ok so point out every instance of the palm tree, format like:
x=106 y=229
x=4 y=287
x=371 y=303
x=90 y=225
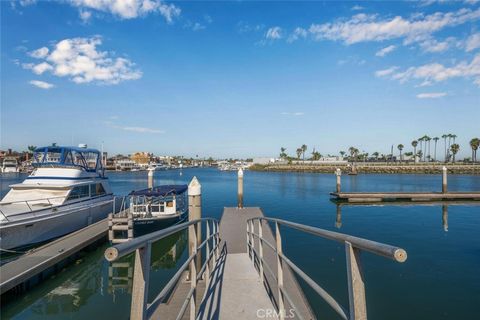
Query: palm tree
x=376 y=154
x=400 y=147
x=353 y=152
x=342 y=153
x=449 y=136
x=453 y=137
x=30 y=150
x=445 y=136
x=414 y=145
x=474 y=144
x=435 y=139
x=422 y=144
x=283 y=155
x=427 y=139
x=299 y=153
x=454 y=148
x=304 y=148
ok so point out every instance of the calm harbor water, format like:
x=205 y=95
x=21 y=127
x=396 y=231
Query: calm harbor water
x=440 y=279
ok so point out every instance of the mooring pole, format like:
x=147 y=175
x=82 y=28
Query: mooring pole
x=338 y=173
x=240 y=188
x=194 y=213
x=150 y=178
x=444 y=179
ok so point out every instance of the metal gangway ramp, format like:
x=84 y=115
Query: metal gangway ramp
x=244 y=274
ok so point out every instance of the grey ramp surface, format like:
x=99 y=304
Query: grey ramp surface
x=233 y=233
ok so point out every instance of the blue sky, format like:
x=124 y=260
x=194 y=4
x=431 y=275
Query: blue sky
x=239 y=78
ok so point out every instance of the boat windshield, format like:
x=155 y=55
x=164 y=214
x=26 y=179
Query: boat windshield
x=88 y=159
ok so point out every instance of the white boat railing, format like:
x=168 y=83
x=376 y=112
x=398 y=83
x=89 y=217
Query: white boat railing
x=30 y=204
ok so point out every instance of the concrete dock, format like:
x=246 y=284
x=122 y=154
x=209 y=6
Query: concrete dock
x=34 y=265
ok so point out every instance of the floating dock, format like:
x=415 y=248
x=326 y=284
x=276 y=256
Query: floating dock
x=33 y=266
x=373 y=197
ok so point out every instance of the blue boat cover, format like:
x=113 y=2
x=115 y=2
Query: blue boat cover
x=161 y=191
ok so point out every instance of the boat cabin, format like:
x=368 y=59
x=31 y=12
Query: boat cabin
x=76 y=157
x=158 y=201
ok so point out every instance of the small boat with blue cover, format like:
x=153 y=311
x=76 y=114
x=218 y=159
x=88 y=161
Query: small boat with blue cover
x=158 y=207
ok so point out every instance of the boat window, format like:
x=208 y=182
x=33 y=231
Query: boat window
x=170 y=204
x=91 y=158
x=68 y=158
x=97 y=189
x=79 y=192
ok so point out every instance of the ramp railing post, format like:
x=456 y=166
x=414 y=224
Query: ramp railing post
x=356 y=284
x=140 y=282
x=216 y=240
x=194 y=213
x=193 y=270
x=260 y=248
x=207 y=256
x=281 y=302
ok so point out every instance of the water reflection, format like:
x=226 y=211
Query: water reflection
x=165 y=254
x=444 y=205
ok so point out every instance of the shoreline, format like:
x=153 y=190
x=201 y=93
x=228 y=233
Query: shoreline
x=363 y=168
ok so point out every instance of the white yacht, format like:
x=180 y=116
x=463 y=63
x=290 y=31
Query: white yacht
x=9 y=165
x=66 y=191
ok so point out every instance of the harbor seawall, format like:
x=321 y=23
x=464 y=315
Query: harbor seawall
x=372 y=168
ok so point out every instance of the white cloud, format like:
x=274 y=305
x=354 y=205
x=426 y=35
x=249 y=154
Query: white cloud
x=296 y=114
x=297 y=34
x=41 y=68
x=79 y=60
x=244 y=27
x=431 y=95
x=385 y=51
x=129 y=9
x=363 y=27
x=473 y=42
x=39 y=53
x=386 y=72
x=42 y=84
x=274 y=33
x=25 y=3
x=85 y=15
x=111 y=124
x=357 y=8
x=436 y=72
x=432 y=45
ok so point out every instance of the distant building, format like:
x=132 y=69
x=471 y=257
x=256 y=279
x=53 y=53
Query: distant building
x=141 y=158
x=264 y=160
x=124 y=164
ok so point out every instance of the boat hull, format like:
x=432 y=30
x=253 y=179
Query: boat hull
x=50 y=226
x=148 y=225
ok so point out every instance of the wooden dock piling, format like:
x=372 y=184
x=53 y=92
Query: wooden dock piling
x=150 y=178
x=338 y=173
x=240 y=188
x=444 y=179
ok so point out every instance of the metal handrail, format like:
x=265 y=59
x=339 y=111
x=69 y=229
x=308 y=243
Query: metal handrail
x=353 y=246
x=385 y=250
x=122 y=249
x=141 y=309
